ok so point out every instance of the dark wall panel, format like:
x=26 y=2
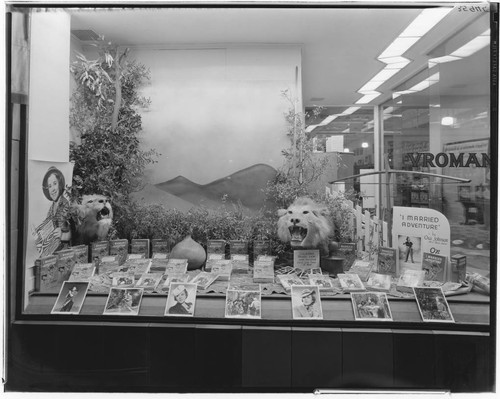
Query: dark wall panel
x=266 y=357
x=316 y=358
x=367 y=358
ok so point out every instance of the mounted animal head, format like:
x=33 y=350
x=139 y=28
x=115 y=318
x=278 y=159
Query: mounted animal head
x=305 y=224
x=92 y=218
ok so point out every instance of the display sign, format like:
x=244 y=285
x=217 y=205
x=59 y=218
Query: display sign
x=306 y=258
x=419 y=230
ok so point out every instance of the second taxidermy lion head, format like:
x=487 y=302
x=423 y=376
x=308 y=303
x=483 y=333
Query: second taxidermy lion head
x=304 y=224
x=93 y=218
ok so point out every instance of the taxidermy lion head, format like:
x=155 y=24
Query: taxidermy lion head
x=305 y=225
x=92 y=219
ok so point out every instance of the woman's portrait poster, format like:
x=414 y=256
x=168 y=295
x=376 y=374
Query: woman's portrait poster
x=48 y=208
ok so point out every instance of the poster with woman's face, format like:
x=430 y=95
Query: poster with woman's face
x=48 y=208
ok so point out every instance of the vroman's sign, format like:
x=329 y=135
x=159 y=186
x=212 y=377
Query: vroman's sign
x=452 y=160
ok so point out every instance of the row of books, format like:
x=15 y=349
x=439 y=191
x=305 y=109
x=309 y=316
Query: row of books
x=246 y=302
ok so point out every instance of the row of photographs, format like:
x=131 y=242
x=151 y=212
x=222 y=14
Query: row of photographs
x=246 y=303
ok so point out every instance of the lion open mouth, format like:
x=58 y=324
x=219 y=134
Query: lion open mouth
x=103 y=214
x=298 y=234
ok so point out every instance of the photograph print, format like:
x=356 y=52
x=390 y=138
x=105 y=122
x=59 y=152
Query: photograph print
x=123 y=301
x=181 y=299
x=306 y=302
x=433 y=305
x=410 y=250
x=70 y=298
x=371 y=306
x=243 y=304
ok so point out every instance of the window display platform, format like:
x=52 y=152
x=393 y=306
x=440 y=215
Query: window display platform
x=470 y=311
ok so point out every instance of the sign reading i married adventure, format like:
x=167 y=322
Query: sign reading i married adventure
x=419 y=230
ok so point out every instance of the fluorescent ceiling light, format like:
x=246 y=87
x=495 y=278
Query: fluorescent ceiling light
x=399 y=46
x=426 y=83
x=473 y=46
x=327 y=120
x=370 y=86
x=393 y=60
x=384 y=74
x=425 y=22
x=346 y=149
x=310 y=128
x=364 y=145
x=446 y=58
x=367 y=98
x=350 y=110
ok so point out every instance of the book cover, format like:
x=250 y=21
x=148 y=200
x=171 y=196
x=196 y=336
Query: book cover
x=46 y=275
x=346 y=250
x=263 y=271
x=81 y=253
x=410 y=278
x=323 y=282
x=172 y=278
x=434 y=267
x=82 y=272
x=267 y=258
x=66 y=260
x=216 y=247
x=98 y=249
x=158 y=265
x=122 y=279
x=136 y=266
x=458 y=268
x=71 y=297
x=387 y=261
x=306 y=302
x=379 y=282
x=181 y=300
x=204 y=279
x=123 y=301
x=160 y=246
x=241 y=264
x=212 y=259
x=108 y=264
x=432 y=305
x=243 y=304
x=261 y=247
x=238 y=247
x=176 y=266
x=350 y=282
x=148 y=281
x=288 y=280
x=160 y=255
x=223 y=269
x=371 y=306
x=136 y=256
x=140 y=246
x=119 y=248
x=362 y=268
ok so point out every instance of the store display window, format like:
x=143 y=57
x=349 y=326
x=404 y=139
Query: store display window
x=250 y=167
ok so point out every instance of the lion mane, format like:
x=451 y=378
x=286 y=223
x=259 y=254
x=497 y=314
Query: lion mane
x=91 y=219
x=305 y=225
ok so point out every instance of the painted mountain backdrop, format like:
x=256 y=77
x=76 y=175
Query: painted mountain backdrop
x=245 y=186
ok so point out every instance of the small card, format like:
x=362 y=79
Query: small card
x=70 y=298
x=378 y=282
x=243 y=304
x=123 y=301
x=289 y=280
x=181 y=300
x=433 y=305
x=176 y=266
x=82 y=272
x=371 y=306
x=204 y=279
x=148 y=281
x=263 y=271
x=223 y=269
x=306 y=302
x=121 y=279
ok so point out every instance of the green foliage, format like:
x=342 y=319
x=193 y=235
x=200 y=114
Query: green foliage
x=104 y=112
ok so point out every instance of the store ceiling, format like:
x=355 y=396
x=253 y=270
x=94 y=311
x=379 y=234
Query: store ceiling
x=339 y=45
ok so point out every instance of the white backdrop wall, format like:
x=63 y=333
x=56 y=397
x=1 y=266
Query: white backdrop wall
x=215 y=111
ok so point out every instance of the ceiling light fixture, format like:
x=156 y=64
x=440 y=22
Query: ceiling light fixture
x=448 y=121
x=468 y=49
x=392 y=56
